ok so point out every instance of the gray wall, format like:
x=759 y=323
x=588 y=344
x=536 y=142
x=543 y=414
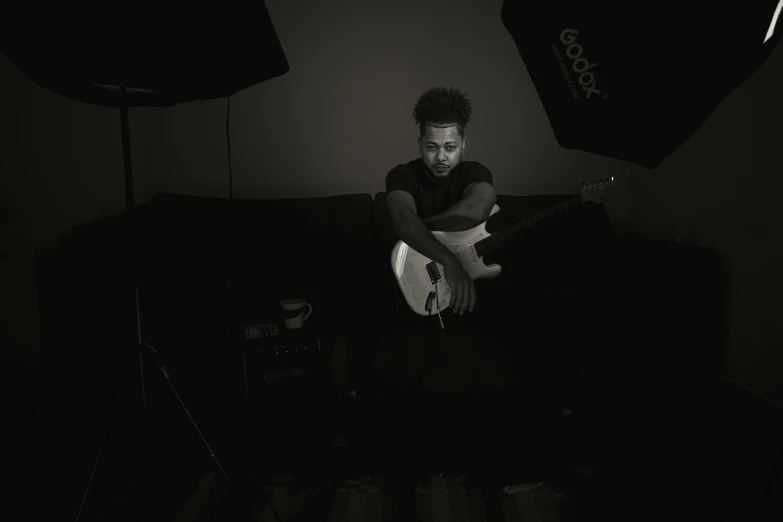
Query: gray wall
x=722 y=189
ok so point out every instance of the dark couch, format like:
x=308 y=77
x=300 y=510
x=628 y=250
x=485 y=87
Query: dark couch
x=613 y=313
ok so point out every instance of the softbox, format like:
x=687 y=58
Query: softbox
x=160 y=60
x=634 y=80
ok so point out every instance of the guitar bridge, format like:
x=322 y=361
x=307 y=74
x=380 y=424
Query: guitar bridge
x=433 y=272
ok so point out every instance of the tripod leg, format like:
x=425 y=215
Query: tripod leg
x=110 y=427
x=89 y=482
x=190 y=417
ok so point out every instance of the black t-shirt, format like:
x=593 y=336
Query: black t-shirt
x=433 y=196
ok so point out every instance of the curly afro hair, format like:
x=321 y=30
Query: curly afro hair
x=441 y=105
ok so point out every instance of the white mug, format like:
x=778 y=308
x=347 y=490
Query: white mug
x=294 y=312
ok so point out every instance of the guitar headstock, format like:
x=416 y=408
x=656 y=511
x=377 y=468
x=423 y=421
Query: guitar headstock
x=597 y=190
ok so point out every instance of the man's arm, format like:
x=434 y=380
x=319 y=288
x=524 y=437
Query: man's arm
x=411 y=229
x=473 y=209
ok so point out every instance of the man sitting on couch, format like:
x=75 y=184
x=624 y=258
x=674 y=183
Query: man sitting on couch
x=442 y=191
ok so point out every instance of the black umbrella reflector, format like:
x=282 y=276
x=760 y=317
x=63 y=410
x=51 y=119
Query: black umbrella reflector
x=160 y=60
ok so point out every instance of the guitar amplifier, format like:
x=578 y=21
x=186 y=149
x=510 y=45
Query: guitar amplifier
x=285 y=376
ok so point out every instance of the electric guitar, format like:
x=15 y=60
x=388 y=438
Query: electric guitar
x=421 y=279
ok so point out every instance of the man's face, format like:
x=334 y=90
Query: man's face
x=441 y=146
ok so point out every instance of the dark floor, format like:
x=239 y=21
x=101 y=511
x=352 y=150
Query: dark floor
x=641 y=465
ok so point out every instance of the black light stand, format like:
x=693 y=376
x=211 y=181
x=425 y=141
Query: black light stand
x=143 y=347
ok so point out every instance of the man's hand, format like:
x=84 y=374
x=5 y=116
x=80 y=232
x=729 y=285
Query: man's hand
x=463 y=291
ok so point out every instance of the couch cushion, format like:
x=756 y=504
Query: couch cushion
x=314 y=248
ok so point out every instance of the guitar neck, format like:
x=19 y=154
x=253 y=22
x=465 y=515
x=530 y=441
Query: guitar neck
x=503 y=237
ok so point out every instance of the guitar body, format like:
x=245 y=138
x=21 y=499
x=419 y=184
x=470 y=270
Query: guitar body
x=416 y=275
